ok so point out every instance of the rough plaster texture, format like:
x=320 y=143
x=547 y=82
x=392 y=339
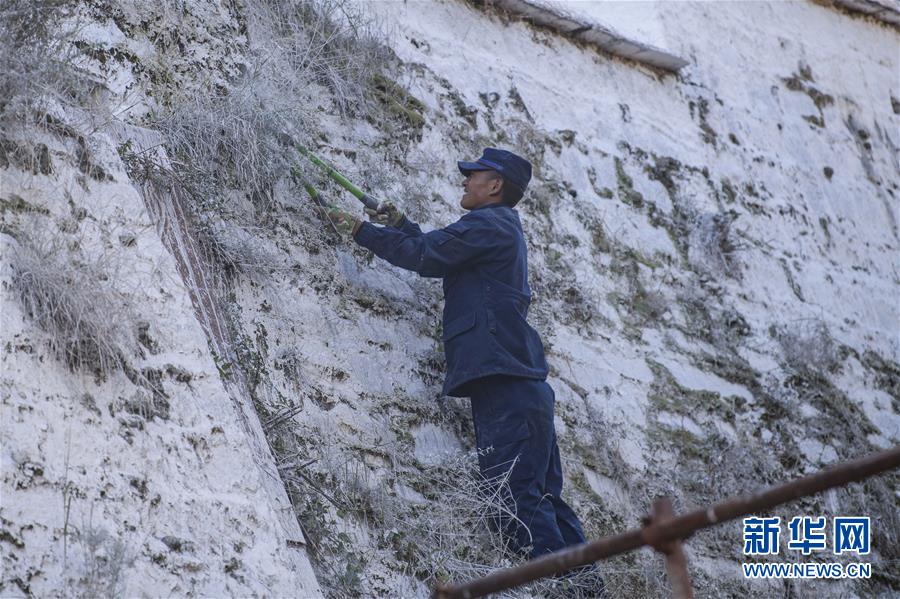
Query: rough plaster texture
x=180 y=497
x=158 y=480
x=715 y=272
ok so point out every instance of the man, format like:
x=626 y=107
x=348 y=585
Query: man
x=492 y=354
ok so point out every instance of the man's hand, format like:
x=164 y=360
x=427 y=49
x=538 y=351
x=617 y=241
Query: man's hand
x=387 y=214
x=345 y=222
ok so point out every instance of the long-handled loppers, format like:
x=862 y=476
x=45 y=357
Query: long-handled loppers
x=368 y=200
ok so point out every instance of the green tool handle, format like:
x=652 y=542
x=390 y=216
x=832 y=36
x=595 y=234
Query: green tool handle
x=312 y=191
x=340 y=179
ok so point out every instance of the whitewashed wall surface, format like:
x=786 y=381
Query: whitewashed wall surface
x=206 y=390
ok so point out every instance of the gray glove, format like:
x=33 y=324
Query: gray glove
x=387 y=214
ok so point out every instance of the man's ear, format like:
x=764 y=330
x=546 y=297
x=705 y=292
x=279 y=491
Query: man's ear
x=496 y=186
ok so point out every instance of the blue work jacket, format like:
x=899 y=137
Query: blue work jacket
x=483 y=261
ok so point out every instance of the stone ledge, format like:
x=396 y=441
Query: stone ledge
x=886 y=11
x=606 y=39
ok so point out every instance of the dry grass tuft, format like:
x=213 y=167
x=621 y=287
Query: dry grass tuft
x=39 y=61
x=241 y=247
x=89 y=324
x=106 y=560
x=330 y=42
x=712 y=250
x=222 y=142
x=808 y=346
x=456 y=535
x=231 y=139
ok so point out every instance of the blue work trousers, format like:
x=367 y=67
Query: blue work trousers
x=513 y=419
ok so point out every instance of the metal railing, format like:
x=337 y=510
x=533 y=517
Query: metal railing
x=664 y=531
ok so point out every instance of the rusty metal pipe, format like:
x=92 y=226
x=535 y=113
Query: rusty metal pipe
x=676 y=561
x=680 y=527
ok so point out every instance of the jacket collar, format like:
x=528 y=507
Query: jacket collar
x=491 y=205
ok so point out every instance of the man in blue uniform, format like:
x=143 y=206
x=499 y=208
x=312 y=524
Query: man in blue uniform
x=493 y=355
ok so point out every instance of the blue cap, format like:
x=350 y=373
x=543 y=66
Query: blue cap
x=514 y=168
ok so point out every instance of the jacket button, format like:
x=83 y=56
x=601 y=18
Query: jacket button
x=488 y=287
x=493 y=329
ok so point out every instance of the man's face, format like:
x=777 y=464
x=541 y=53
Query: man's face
x=480 y=188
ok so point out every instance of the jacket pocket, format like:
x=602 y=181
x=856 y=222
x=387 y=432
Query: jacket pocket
x=458 y=326
x=453 y=231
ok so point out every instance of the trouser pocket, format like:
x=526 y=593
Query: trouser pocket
x=503 y=449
